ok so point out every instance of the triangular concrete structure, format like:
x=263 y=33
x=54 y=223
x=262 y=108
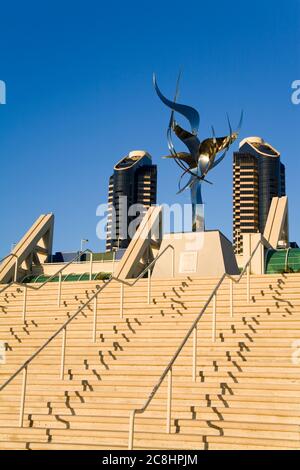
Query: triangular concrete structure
x=33 y=249
x=276 y=230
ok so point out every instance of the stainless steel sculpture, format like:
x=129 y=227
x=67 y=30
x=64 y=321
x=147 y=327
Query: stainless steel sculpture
x=201 y=157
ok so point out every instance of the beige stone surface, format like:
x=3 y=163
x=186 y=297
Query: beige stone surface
x=200 y=254
x=276 y=230
x=32 y=249
x=143 y=245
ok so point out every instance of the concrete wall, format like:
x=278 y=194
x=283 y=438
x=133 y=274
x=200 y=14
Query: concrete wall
x=197 y=253
x=250 y=241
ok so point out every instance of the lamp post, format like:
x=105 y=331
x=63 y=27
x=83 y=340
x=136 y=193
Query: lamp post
x=115 y=249
x=118 y=247
x=82 y=242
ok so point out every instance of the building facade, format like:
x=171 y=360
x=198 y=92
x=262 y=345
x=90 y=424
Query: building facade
x=133 y=182
x=258 y=176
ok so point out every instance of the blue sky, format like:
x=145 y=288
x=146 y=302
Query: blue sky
x=80 y=96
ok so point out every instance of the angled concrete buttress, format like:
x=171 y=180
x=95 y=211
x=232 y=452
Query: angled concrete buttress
x=143 y=246
x=276 y=230
x=33 y=249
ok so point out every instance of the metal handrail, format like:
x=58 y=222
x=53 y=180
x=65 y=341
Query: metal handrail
x=168 y=369
x=51 y=277
x=16 y=265
x=63 y=328
x=8 y=256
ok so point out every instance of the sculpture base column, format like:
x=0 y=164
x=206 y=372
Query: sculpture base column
x=198 y=218
x=197 y=206
x=196 y=254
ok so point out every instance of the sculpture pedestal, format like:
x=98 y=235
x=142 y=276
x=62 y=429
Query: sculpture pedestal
x=196 y=254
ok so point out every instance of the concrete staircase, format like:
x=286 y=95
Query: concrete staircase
x=247 y=392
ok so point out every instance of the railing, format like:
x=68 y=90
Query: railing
x=12 y=255
x=63 y=329
x=26 y=286
x=193 y=330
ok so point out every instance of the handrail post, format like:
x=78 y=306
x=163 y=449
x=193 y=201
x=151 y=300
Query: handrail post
x=195 y=353
x=214 y=318
x=231 y=297
x=91 y=265
x=63 y=354
x=59 y=290
x=248 y=283
x=16 y=270
x=173 y=262
x=24 y=303
x=23 y=397
x=113 y=262
x=131 y=430
x=95 y=320
x=169 y=402
x=149 y=286
x=262 y=254
x=122 y=300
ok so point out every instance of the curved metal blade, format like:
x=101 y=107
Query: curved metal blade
x=214 y=135
x=187 y=185
x=206 y=181
x=190 y=113
x=240 y=123
x=216 y=162
x=230 y=128
x=175 y=99
x=170 y=142
x=190 y=140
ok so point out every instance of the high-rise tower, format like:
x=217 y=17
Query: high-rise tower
x=134 y=181
x=258 y=176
